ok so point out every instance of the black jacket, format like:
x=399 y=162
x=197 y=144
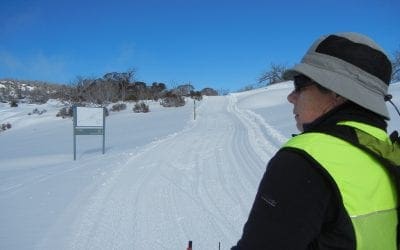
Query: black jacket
x=298 y=205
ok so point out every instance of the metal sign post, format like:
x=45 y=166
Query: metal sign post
x=89 y=121
x=194 y=109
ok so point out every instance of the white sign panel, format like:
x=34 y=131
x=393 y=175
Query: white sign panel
x=89 y=117
x=89 y=121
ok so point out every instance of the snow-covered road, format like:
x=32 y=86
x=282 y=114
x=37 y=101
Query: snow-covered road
x=197 y=184
x=164 y=180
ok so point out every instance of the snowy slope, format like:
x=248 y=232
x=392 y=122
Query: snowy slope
x=164 y=179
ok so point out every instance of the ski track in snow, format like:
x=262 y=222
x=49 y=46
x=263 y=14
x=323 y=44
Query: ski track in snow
x=195 y=184
x=202 y=194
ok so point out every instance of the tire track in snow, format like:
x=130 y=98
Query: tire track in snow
x=195 y=185
x=109 y=220
x=55 y=168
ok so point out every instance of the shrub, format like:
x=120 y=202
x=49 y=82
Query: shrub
x=5 y=126
x=38 y=97
x=65 y=112
x=118 y=107
x=13 y=104
x=141 y=107
x=196 y=95
x=173 y=100
x=36 y=111
x=132 y=97
x=209 y=92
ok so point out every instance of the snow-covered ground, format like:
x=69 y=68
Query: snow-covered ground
x=165 y=178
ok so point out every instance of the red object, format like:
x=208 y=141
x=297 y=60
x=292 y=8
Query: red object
x=189 y=245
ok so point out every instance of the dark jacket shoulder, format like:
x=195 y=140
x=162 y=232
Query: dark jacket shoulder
x=295 y=208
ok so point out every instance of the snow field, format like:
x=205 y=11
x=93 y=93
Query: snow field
x=165 y=178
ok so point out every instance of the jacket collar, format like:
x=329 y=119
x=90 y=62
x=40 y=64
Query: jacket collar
x=348 y=111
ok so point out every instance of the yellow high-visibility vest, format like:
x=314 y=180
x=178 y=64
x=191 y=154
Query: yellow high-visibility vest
x=367 y=190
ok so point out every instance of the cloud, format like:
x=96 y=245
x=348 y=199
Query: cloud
x=9 y=63
x=123 y=60
x=53 y=68
x=35 y=67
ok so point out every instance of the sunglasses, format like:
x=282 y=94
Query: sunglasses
x=301 y=82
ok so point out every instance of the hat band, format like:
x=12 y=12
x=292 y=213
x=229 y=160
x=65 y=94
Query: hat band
x=363 y=56
x=363 y=79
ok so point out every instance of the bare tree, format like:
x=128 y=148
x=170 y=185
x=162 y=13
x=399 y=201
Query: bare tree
x=184 y=89
x=157 y=89
x=64 y=92
x=273 y=75
x=39 y=95
x=122 y=80
x=396 y=66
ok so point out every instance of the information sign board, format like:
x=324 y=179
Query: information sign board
x=89 y=121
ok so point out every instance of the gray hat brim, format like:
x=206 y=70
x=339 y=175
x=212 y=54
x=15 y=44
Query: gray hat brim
x=351 y=88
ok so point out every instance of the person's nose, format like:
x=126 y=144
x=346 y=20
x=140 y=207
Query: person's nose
x=291 y=97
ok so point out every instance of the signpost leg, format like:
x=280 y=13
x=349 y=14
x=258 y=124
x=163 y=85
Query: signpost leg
x=194 y=109
x=104 y=129
x=74 y=146
x=74 y=109
x=104 y=141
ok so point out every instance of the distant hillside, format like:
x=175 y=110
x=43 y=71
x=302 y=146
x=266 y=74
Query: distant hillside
x=112 y=87
x=28 y=91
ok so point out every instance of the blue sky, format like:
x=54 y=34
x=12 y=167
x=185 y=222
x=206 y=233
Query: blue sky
x=221 y=44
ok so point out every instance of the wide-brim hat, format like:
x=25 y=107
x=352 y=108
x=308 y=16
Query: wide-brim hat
x=351 y=65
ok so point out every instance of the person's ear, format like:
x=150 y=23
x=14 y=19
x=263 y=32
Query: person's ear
x=339 y=99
